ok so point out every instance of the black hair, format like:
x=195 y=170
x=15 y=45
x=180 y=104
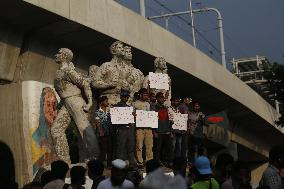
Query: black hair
x=96 y=167
x=59 y=169
x=142 y=91
x=35 y=184
x=224 y=159
x=77 y=174
x=46 y=177
x=276 y=153
x=159 y=95
x=102 y=98
x=179 y=166
x=175 y=98
x=152 y=165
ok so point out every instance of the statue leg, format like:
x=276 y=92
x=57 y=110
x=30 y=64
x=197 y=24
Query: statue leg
x=58 y=128
x=89 y=147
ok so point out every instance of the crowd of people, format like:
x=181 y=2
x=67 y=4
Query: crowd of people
x=138 y=145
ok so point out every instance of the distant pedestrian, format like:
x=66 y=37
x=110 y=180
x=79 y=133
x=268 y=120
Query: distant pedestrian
x=95 y=172
x=117 y=178
x=203 y=175
x=271 y=177
x=78 y=177
x=59 y=170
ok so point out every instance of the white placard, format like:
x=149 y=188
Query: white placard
x=146 y=119
x=180 y=121
x=121 y=115
x=159 y=81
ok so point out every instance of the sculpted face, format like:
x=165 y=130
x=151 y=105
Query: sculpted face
x=63 y=55
x=127 y=53
x=119 y=49
x=161 y=64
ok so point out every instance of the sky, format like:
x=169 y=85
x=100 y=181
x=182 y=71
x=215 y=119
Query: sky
x=251 y=27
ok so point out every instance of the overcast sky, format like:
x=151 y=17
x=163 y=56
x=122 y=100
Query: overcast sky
x=252 y=27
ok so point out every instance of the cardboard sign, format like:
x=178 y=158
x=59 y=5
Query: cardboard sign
x=121 y=115
x=180 y=121
x=146 y=119
x=159 y=81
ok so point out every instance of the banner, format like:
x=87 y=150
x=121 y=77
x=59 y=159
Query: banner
x=180 y=121
x=220 y=119
x=146 y=119
x=121 y=115
x=159 y=81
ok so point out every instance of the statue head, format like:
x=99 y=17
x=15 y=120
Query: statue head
x=64 y=55
x=117 y=48
x=160 y=64
x=127 y=53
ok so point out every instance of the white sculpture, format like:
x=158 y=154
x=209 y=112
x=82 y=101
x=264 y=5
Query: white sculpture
x=68 y=84
x=160 y=66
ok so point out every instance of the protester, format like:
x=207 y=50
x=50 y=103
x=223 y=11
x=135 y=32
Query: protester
x=78 y=178
x=196 y=136
x=95 y=172
x=104 y=130
x=144 y=136
x=152 y=100
x=179 y=148
x=203 y=175
x=184 y=106
x=223 y=167
x=7 y=167
x=59 y=170
x=240 y=179
x=271 y=177
x=163 y=133
x=117 y=178
x=125 y=135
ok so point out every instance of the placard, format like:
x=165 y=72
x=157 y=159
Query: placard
x=146 y=119
x=180 y=121
x=159 y=81
x=121 y=115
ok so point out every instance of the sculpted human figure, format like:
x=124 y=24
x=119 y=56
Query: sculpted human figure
x=134 y=76
x=160 y=66
x=69 y=85
x=110 y=76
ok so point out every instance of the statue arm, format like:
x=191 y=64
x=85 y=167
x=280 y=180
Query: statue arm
x=84 y=83
x=98 y=81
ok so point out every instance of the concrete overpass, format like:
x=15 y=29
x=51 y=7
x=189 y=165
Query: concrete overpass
x=32 y=30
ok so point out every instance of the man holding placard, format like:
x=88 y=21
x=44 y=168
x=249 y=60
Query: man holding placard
x=123 y=120
x=143 y=131
x=163 y=132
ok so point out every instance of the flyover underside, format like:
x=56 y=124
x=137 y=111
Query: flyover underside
x=91 y=47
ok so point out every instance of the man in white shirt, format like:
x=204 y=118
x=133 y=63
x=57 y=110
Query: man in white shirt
x=118 y=177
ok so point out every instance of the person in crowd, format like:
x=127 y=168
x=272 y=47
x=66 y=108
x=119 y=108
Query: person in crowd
x=223 y=167
x=136 y=96
x=152 y=100
x=196 y=136
x=78 y=178
x=163 y=132
x=203 y=174
x=45 y=178
x=240 y=179
x=59 y=170
x=117 y=178
x=103 y=130
x=7 y=167
x=178 y=148
x=95 y=172
x=271 y=177
x=179 y=166
x=125 y=135
x=144 y=136
x=33 y=185
x=184 y=106
x=152 y=165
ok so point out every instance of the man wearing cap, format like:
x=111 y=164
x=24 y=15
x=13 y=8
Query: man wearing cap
x=125 y=134
x=203 y=174
x=117 y=178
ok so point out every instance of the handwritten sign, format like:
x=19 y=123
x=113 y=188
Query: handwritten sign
x=146 y=119
x=121 y=115
x=180 y=121
x=159 y=81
